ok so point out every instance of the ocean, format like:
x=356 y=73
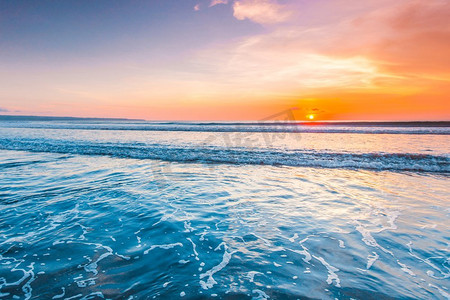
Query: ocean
x=123 y=209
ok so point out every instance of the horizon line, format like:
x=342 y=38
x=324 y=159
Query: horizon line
x=262 y=121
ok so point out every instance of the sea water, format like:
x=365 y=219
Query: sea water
x=142 y=210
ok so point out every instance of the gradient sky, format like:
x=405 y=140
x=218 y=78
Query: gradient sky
x=226 y=59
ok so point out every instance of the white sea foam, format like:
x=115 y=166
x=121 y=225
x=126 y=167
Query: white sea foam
x=331 y=272
x=251 y=275
x=371 y=260
x=445 y=275
x=368 y=239
x=260 y=295
x=292 y=239
x=405 y=268
x=210 y=282
x=165 y=246
x=193 y=248
x=27 y=278
x=304 y=252
x=188 y=227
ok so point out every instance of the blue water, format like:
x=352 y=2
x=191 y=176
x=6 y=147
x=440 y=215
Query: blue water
x=121 y=211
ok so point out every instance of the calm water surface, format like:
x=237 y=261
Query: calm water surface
x=89 y=213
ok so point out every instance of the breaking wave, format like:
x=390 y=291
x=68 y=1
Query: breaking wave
x=239 y=155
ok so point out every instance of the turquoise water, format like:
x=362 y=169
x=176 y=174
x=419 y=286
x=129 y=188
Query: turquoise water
x=135 y=214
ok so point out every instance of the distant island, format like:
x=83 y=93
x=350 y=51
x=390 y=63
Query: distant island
x=49 y=118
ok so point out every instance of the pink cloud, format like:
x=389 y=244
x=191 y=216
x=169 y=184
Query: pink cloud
x=216 y=2
x=412 y=37
x=260 y=11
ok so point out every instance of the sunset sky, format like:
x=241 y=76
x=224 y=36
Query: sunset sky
x=226 y=59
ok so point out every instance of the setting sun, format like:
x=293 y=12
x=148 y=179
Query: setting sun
x=311 y=117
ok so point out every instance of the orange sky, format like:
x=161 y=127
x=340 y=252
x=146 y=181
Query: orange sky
x=238 y=60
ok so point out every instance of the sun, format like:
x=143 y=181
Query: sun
x=311 y=117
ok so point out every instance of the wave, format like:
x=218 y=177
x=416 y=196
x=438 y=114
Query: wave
x=286 y=127
x=212 y=154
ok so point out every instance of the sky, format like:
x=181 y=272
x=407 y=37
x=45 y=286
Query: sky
x=226 y=59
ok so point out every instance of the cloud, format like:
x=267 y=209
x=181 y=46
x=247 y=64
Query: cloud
x=197 y=7
x=245 y=71
x=407 y=38
x=402 y=48
x=370 y=49
x=260 y=11
x=3 y=109
x=216 y=2
x=421 y=28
